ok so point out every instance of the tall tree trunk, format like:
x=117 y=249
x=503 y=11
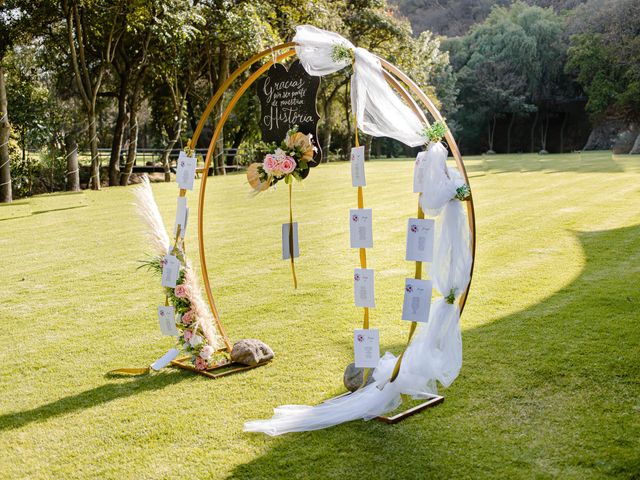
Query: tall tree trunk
x=134 y=107
x=94 y=180
x=564 y=124
x=5 y=129
x=118 y=131
x=544 y=130
x=367 y=147
x=166 y=155
x=73 y=171
x=513 y=117
x=491 y=133
x=326 y=131
x=132 y=150
x=218 y=157
x=223 y=74
x=533 y=131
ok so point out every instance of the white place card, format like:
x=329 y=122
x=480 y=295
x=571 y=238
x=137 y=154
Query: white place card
x=366 y=348
x=363 y=287
x=164 y=360
x=170 y=271
x=360 y=228
x=419 y=172
x=186 y=171
x=417 y=300
x=357 y=167
x=286 y=250
x=182 y=216
x=420 y=234
x=167 y=320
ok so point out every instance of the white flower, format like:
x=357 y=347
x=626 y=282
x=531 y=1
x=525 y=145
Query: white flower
x=195 y=340
x=206 y=352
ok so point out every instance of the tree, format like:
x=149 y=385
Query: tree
x=604 y=56
x=508 y=65
x=94 y=30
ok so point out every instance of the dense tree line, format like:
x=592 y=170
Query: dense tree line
x=87 y=75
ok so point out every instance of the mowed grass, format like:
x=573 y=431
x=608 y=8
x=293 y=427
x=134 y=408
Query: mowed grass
x=549 y=388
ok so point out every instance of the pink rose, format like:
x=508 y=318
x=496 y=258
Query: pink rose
x=187 y=317
x=181 y=291
x=288 y=165
x=201 y=363
x=187 y=335
x=270 y=163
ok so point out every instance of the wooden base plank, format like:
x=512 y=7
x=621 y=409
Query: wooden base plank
x=214 y=372
x=432 y=401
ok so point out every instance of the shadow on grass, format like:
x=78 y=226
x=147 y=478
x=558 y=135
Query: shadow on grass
x=547 y=391
x=90 y=398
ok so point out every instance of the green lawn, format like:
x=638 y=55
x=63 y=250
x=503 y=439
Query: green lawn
x=549 y=388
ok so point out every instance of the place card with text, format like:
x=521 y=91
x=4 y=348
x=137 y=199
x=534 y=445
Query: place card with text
x=420 y=235
x=186 y=171
x=363 y=287
x=360 y=228
x=170 y=271
x=366 y=347
x=417 y=300
x=357 y=167
x=182 y=216
x=167 y=320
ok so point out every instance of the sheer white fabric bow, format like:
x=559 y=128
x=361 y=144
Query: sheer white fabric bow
x=378 y=110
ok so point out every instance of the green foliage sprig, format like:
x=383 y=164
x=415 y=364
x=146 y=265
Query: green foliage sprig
x=463 y=192
x=342 y=54
x=436 y=132
x=451 y=298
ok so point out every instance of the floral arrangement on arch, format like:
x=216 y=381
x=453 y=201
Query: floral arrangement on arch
x=285 y=160
x=197 y=336
x=193 y=320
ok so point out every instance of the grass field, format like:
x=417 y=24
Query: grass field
x=549 y=388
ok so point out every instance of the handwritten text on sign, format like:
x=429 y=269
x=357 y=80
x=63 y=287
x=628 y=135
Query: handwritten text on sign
x=288 y=98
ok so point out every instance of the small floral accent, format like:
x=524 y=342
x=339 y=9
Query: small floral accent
x=409 y=288
x=414 y=228
x=356 y=277
x=451 y=298
x=354 y=218
x=463 y=192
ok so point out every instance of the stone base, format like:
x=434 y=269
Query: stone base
x=251 y=352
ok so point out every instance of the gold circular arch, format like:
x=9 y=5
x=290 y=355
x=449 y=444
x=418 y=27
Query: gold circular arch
x=394 y=76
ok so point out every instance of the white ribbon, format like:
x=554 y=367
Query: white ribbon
x=378 y=110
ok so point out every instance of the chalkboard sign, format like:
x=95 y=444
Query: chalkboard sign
x=288 y=98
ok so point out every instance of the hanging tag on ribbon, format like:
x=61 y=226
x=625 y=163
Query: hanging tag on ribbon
x=167 y=320
x=361 y=228
x=287 y=247
x=363 y=287
x=170 y=271
x=420 y=238
x=417 y=300
x=186 y=171
x=366 y=347
x=182 y=215
x=357 y=167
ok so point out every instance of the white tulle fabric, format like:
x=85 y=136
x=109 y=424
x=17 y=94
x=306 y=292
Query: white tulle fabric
x=378 y=110
x=435 y=354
